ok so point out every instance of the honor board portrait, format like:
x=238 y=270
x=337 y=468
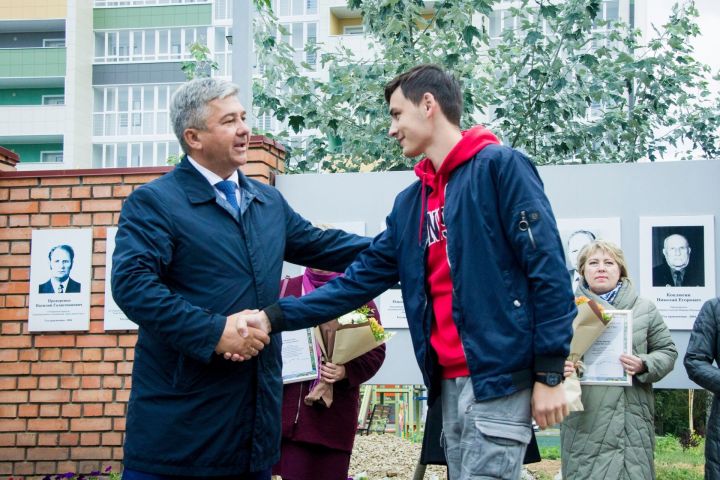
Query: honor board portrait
x=60 y=267
x=678 y=256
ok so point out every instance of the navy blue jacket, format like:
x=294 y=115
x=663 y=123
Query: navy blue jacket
x=512 y=302
x=182 y=263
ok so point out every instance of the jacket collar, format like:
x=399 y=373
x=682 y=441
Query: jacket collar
x=199 y=190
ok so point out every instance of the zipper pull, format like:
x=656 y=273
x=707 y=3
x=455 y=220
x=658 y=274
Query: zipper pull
x=524 y=226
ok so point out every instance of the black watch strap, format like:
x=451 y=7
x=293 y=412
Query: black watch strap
x=550 y=379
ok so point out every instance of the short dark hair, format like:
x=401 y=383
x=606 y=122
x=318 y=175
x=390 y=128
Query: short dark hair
x=67 y=248
x=433 y=79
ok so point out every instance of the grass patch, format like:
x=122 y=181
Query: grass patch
x=550 y=453
x=672 y=462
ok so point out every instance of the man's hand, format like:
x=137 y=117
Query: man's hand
x=244 y=347
x=548 y=404
x=331 y=373
x=252 y=318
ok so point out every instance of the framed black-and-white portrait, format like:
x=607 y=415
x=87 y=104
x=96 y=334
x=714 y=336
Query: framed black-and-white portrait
x=60 y=278
x=578 y=232
x=677 y=265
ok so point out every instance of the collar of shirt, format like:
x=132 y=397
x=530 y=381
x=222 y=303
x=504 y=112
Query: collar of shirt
x=214 y=178
x=56 y=284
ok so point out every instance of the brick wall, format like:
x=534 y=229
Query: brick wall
x=63 y=395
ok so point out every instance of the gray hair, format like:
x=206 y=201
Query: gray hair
x=188 y=107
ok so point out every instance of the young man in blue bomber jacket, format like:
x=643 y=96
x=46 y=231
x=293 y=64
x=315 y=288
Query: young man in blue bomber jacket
x=476 y=249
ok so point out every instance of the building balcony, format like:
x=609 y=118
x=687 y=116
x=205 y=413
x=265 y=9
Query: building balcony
x=20 y=122
x=32 y=67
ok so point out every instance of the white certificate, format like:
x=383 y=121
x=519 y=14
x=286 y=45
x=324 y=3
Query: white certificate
x=602 y=360
x=299 y=357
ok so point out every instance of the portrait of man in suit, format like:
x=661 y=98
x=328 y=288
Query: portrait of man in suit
x=678 y=269
x=575 y=242
x=61 y=262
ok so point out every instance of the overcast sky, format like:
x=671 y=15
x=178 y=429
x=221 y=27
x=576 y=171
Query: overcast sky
x=706 y=46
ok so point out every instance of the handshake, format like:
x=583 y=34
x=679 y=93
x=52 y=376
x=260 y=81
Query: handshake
x=245 y=334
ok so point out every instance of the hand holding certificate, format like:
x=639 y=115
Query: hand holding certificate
x=588 y=325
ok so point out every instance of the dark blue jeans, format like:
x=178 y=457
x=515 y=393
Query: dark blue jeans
x=129 y=474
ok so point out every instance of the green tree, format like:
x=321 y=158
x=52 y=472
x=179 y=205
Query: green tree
x=564 y=85
x=202 y=65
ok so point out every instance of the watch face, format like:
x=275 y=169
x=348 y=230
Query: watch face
x=553 y=379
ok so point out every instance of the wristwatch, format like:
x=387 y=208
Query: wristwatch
x=551 y=379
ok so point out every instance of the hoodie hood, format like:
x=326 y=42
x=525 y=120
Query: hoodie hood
x=472 y=141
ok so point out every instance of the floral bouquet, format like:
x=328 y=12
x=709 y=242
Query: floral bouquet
x=590 y=322
x=342 y=340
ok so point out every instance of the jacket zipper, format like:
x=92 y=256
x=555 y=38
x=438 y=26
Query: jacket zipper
x=524 y=226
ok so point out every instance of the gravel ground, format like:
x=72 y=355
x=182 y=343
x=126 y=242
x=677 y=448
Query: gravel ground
x=387 y=456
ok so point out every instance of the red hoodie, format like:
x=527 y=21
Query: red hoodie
x=444 y=335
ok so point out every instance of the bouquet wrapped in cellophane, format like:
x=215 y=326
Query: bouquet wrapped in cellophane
x=589 y=324
x=342 y=340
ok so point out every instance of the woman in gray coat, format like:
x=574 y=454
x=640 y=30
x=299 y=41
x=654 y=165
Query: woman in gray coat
x=702 y=351
x=614 y=438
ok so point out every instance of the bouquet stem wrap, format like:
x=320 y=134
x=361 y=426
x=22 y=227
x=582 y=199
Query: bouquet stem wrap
x=588 y=325
x=339 y=343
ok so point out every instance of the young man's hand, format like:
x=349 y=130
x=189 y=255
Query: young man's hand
x=548 y=404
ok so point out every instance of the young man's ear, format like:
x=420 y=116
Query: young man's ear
x=428 y=101
x=192 y=138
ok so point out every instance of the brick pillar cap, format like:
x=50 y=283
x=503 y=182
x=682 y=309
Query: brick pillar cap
x=260 y=140
x=11 y=158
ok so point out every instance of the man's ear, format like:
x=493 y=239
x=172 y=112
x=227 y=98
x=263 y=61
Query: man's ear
x=192 y=138
x=429 y=103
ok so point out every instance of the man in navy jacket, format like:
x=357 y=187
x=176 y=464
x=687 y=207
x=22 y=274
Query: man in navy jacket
x=193 y=248
x=475 y=246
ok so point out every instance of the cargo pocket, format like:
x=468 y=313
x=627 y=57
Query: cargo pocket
x=499 y=449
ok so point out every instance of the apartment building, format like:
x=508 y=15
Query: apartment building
x=87 y=83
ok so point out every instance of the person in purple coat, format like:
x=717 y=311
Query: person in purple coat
x=317 y=441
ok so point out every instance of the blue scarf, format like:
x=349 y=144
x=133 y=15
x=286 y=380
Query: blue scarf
x=610 y=296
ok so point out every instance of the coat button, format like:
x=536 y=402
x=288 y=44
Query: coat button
x=517 y=303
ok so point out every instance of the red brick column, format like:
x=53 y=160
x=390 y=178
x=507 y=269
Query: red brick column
x=8 y=160
x=63 y=395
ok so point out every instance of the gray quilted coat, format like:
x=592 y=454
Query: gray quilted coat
x=703 y=349
x=614 y=438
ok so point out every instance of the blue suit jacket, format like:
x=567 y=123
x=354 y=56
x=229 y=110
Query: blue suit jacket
x=72 y=287
x=182 y=263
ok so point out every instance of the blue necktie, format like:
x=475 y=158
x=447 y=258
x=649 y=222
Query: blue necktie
x=228 y=188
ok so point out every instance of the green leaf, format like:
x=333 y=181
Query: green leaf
x=296 y=122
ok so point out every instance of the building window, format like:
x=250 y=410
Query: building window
x=51 y=157
x=298 y=35
x=134 y=154
x=353 y=30
x=53 y=42
x=53 y=99
x=147 y=45
x=223 y=9
x=136 y=110
x=295 y=8
x=144 y=3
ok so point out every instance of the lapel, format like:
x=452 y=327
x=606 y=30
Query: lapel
x=199 y=190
